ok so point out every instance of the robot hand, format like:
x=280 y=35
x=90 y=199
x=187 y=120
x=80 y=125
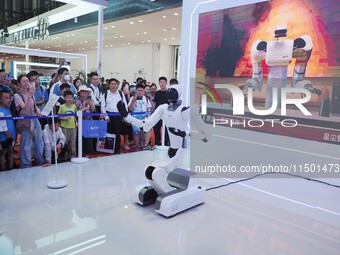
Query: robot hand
x=127 y=117
x=306 y=84
x=253 y=83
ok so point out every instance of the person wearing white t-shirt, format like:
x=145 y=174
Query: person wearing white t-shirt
x=140 y=106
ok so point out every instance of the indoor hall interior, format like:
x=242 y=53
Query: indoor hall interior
x=95 y=213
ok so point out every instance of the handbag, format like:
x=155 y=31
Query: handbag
x=26 y=123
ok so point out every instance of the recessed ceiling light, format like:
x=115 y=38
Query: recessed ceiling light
x=145 y=33
x=113 y=26
x=96 y=40
x=91 y=47
x=115 y=37
x=79 y=49
x=85 y=41
x=165 y=39
x=131 y=22
x=142 y=41
x=121 y=36
x=138 y=34
x=33 y=42
x=83 y=48
x=111 y=45
x=53 y=38
x=164 y=16
x=164 y=29
x=149 y=40
x=172 y=38
x=72 y=34
x=57 y=37
x=123 y=44
x=105 y=28
x=176 y=14
x=173 y=28
x=128 y=43
x=71 y=43
x=140 y=21
x=67 y=35
x=68 y=50
x=66 y=44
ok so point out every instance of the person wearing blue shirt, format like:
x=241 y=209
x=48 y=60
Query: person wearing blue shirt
x=7 y=132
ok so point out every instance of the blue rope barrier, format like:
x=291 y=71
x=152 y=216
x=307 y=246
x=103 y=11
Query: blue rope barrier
x=70 y=114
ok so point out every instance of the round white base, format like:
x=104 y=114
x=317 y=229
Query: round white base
x=81 y=160
x=56 y=184
x=162 y=148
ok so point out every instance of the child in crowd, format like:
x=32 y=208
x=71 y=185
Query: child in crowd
x=49 y=142
x=63 y=87
x=68 y=123
x=7 y=132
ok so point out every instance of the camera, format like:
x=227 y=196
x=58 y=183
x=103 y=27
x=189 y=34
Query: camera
x=139 y=97
x=8 y=76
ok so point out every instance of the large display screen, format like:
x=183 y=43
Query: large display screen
x=275 y=44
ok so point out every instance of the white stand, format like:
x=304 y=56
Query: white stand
x=80 y=159
x=56 y=184
x=162 y=147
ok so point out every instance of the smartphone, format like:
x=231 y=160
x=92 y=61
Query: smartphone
x=139 y=97
x=8 y=76
x=32 y=85
x=89 y=97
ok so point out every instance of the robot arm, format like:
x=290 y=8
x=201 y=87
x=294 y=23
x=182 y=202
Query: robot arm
x=303 y=47
x=258 y=53
x=147 y=123
x=203 y=133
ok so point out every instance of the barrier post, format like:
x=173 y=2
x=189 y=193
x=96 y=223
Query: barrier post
x=56 y=184
x=80 y=159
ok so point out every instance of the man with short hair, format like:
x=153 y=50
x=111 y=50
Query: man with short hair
x=109 y=102
x=64 y=77
x=96 y=90
x=159 y=99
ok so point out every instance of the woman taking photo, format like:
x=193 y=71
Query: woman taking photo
x=29 y=129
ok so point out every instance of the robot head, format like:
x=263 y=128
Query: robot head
x=173 y=93
x=280 y=31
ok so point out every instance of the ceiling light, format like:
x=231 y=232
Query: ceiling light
x=165 y=39
x=85 y=41
x=131 y=22
x=137 y=34
x=123 y=44
x=115 y=37
x=105 y=28
x=111 y=45
x=172 y=38
x=176 y=14
x=140 y=21
x=128 y=43
x=113 y=26
x=67 y=35
x=173 y=28
x=71 y=43
x=149 y=41
x=164 y=29
x=72 y=34
x=142 y=41
x=121 y=36
x=164 y=16
x=53 y=38
x=145 y=33
x=57 y=37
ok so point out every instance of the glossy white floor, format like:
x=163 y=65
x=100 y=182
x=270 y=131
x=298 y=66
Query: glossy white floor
x=95 y=214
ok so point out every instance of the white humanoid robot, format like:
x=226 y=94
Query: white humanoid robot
x=278 y=54
x=172 y=189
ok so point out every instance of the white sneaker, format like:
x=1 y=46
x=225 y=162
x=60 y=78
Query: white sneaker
x=126 y=147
